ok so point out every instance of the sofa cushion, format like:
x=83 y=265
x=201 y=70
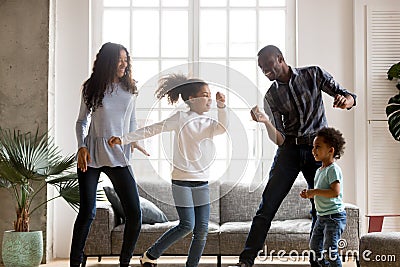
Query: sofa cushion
x=150 y=233
x=283 y=235
x=159 y=192
x=150 y=212
x=297 y=226
x=246 y=200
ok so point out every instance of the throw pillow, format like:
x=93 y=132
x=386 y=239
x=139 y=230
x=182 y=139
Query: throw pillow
x=115 y=203
x=150 y=212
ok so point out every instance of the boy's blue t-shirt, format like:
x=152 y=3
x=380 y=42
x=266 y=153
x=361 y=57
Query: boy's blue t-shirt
x=323 y=179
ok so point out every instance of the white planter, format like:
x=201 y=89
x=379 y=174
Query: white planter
x=22 y=249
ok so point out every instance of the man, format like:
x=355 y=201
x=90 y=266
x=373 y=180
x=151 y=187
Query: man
x=295 y=107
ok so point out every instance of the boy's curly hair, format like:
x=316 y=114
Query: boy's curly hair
x=333 y=138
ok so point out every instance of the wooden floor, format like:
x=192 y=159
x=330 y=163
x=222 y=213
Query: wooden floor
x=180 y=262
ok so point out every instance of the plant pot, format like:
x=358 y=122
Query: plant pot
x=22 y=249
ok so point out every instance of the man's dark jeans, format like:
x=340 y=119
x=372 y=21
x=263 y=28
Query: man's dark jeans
x=289 y=161
x=125 y=186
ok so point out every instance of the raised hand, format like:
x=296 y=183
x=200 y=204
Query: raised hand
x=220 y=97
x=343 y=101
x=258 y=115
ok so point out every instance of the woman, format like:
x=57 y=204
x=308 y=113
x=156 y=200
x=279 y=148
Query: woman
x=107 y=108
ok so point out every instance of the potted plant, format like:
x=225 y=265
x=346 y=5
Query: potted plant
x=393 y=106
x=28 y=163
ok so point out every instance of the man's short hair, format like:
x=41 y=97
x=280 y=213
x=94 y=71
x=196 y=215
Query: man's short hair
x=270 y=49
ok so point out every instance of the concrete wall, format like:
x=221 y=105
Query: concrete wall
x=24 y=53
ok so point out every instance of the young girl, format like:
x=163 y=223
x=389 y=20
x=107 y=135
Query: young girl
x=191 y=161
x=331 y=216
x=107 y=108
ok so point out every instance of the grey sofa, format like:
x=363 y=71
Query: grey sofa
x=380 y=249
x=232 y=209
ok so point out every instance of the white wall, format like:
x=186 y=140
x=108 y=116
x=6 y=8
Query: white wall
x=71 y=69
x=325 y=38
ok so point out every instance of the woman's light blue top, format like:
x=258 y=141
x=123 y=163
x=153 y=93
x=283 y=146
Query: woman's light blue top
x=115 y=117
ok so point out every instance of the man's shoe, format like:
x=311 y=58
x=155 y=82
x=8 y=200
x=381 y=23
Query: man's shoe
x=146 y=262
x=241 y=264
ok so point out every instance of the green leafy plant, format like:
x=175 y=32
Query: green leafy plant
x=393 y=106
x=28 y=163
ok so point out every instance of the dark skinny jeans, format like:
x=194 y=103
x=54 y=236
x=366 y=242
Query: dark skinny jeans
x=289 y=161
x=125 y=186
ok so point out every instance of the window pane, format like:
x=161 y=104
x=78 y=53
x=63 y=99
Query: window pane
x=175 y=66
x=242 y=84
x=263 y=85
x=214 y=72
x=212 y=3
x=218 y=169
x=212 y=33
x=242 y=25
x=116 y=27
x=145 y=40
x=145 y=3
x=242 y=3
x=151 y=144
x=272 y=3
x=246 y=68
x=174 y=34
x=175 y=3
x=146 y=74
x=272 y=35
x=252 y=174
x=165 y=169
x=144 y=70
x=144 y=169
x=116 y=3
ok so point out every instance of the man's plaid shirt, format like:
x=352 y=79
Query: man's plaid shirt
x=296 y=108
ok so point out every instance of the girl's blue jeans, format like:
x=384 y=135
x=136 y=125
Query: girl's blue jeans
x=325 y=237
x=192 y=201
x=125 y=186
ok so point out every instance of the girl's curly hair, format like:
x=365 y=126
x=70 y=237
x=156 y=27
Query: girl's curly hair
x=103 y=74
x=334 y=138
x=173 y=85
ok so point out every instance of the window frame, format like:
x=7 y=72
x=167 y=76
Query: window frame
x=264 y=149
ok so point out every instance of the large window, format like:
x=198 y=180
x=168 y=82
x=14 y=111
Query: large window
x=216 y=40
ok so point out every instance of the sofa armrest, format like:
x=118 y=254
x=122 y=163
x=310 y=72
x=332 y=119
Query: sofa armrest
x=352 y=233
x=99 y=238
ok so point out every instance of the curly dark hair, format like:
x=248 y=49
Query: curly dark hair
x=334 y=138
x=173 y=85
x=103 y=74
